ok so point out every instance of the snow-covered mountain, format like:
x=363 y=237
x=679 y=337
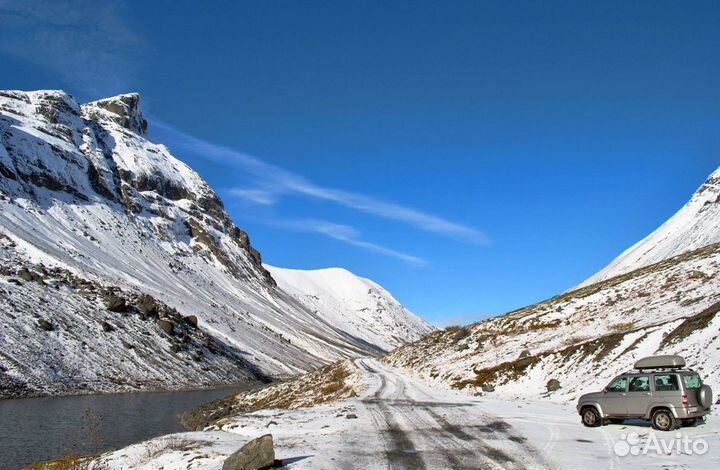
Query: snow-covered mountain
x=663 y=298
x=353 y=304
x=695 y=225
x=120 y=269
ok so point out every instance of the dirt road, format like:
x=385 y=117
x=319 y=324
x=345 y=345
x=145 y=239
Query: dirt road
x=422 y=428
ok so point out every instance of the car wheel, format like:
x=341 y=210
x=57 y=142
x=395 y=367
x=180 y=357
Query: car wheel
x=590 y=417
x=616 y=420
x=663 y=420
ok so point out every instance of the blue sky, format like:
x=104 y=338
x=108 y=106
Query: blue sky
x=472 y=157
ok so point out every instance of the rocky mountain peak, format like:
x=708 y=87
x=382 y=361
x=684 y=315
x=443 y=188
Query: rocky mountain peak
x=53 y=150
x=123 y=109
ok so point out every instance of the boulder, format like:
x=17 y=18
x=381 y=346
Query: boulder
x=148 y=306
x=191 y=320
x=525 y=353
x=487 y=388
x=26 y=275
x=553 y=385
x=167 y=326
x=45 y=325
x=107 y=327
x=255 y=455
x=116 y=304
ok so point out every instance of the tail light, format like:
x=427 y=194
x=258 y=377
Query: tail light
x=685 y=400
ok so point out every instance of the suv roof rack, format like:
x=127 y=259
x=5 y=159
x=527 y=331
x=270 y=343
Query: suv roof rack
x=649 y=370
x=666 y=362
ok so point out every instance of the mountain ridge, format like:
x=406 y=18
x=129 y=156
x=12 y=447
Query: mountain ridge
x=695 y=225
x=94 y=218
x=586 y=336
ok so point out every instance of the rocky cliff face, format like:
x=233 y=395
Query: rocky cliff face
x=583 y=338
x=98 y=153
x=94 y=220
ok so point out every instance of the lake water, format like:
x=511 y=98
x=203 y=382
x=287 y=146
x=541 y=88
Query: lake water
x=36 y=429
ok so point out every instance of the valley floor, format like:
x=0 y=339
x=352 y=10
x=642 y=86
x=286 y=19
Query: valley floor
x=399 y=422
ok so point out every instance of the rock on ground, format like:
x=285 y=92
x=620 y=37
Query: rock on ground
x=255 y=455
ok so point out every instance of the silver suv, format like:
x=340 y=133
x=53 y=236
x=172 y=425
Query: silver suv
x=659 y=389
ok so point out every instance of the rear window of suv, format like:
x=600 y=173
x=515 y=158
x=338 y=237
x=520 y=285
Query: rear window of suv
x=692 y=381
x=666 y=383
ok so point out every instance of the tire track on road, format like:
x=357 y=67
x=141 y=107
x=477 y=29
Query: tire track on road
x=419 y=435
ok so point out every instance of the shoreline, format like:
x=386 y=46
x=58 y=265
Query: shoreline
x=250 y=385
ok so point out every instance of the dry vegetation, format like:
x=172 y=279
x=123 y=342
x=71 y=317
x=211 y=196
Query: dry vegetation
x=692 y=324
x=623 y=326
x=69 y=462
x=161 y=445
x=512 y=370
x=330 y=383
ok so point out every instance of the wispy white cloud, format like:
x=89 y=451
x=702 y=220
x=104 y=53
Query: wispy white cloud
x=258 y=196
x=350 y=235
x=272 y=183
x=86 y=42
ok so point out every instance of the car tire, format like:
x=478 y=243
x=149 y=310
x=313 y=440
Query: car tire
x=616 y=420
x=688 y=423
x=590 y=417
x=663 y=420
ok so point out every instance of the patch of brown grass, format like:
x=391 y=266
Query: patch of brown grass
x=69 y=462
x=325 y=385
x=502 y=373
x=622 y=326
x=692 y=324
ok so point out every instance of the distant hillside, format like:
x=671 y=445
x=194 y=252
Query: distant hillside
x=584 y=337
x=353 y=304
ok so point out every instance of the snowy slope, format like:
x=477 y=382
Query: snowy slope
x=696 y=225
x=353 y=304
x=660 y=297
x=585 y=337
x=90 y=209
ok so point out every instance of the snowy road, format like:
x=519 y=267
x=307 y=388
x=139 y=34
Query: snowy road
x=421 y=427
x=399 y=422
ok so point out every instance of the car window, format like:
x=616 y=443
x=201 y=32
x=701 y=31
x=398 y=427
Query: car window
x=666 y=383
x=640 y=384
x=618 y=385
x=692 y=382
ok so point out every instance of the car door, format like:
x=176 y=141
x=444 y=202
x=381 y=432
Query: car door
x=613 y=400
x=667 y=389
x=638 y=396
